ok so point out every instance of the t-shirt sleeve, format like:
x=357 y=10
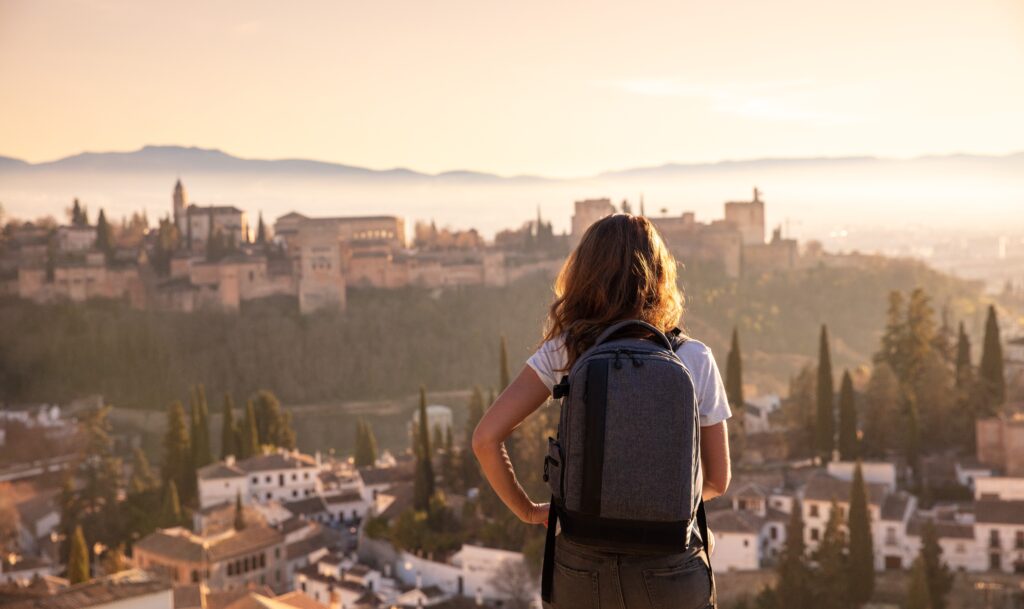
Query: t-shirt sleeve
x=712 y=402
x=546 y=361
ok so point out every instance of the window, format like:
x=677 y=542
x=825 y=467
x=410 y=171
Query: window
x=306 y=476
x=890 y=536
x=746 y=543
x=255 y=479
x=1019 y=543
x=814 y=510
x=269 y=478
x=295 y=477
x=231 y=569
x=295 y=493
x=772 y=531
x=263 y=560
x=993 y=539
x=814 y=534
x=195 y=577
x=277 y=552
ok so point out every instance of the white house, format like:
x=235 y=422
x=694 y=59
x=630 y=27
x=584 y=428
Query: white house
x=757 y=411
x=957 y=540
x=876 y=472
x=438 y=418
x=281 y=475
x=999 y=487
x=889 y=532
x=737 y=539
x=819 y=492
x=999 y=531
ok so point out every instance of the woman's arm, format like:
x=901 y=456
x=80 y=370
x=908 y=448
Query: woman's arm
x=519 y=400
x=714 y=459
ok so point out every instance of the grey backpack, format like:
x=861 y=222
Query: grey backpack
x=624 y=470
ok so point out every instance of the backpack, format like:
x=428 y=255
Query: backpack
x=624 y=469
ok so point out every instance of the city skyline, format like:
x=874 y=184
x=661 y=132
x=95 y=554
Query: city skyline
x=447 y=88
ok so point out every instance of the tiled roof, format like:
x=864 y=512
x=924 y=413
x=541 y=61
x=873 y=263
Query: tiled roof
x=188 y=597
x=306 y=507
x=104 y=591
x=344 y=497
x=734 y=521
x=895 y=506
x=822 y=487
x=992 y=511
x=946 y=529
x=219 y=470
x=180 y=545
x=299 y=601
x=384 y=475
x=275 y=461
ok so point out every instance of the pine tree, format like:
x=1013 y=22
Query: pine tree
x=937 y=573
x=274 y=426
x=104 y=236
x=734 y=393
x=79 y=216
x=861 y=567
x=848 y=444
x=228 y=430
x=177 y=451
x=991 y=369
x=891 y=351
x=918 y=596
x=832 y=590
x=964 y=372
x=78 y=558
x=423 y=483
x=883 y=412
x=794 y=575
x=825 y=427
x=918 y=337
x=250 y=445
x=239 y=523
x=170 y=511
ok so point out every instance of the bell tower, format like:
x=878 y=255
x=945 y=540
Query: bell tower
x=180 y=202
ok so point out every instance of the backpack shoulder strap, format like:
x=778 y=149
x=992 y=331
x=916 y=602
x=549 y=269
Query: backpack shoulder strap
x=677 y=338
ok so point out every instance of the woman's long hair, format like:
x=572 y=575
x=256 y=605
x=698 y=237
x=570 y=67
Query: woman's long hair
x=621 y=269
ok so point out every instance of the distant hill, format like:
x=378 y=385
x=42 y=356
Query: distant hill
x=182 y=159
x=813 y=195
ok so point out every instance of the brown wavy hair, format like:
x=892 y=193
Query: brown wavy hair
x=621 y=269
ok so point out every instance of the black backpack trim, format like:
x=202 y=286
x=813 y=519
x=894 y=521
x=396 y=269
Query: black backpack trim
x=593 y=448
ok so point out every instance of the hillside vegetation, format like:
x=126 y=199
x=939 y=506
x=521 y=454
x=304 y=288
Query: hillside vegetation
x=389 y=342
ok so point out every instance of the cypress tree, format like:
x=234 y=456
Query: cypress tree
x=250 y=445
x=991 y=368
x=104 y=236
x=734 y=392
x=78 y=558
x=848 y=445
x=963 y=358
x=831 y=558
x=918 y=596
x=229 y=430
x=201 y=454
x=261 y=231
x=423 y=483
x=861 y=571
x=142 y=478
x=170 y=512
x=239 y=523
x=176 y=446
x=937 y=573
x=366 y=445
x=503 y=359
x=825 y=423
x=794 y=581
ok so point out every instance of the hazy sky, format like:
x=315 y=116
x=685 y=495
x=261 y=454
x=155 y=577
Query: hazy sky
x=558 y=88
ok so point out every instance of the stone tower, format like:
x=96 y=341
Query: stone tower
x=180 y=203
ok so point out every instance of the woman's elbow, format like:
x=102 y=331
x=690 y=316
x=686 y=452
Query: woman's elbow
x=481 y=441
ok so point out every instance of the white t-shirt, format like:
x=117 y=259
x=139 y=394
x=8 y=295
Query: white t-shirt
x=712 y=403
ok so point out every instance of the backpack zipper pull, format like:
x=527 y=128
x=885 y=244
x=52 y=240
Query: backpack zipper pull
x=617 y=363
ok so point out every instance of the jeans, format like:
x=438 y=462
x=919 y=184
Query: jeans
x=588 y=578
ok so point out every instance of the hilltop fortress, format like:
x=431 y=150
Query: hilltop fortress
x=211 y=257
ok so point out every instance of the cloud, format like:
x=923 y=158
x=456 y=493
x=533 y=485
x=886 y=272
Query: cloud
x=790 y=100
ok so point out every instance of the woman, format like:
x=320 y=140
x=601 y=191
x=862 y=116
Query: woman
x=620 y=270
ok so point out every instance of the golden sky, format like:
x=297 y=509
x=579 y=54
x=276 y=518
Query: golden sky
x=561 y=88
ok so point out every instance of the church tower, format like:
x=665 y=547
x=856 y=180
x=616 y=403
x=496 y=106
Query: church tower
x=180 y=203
